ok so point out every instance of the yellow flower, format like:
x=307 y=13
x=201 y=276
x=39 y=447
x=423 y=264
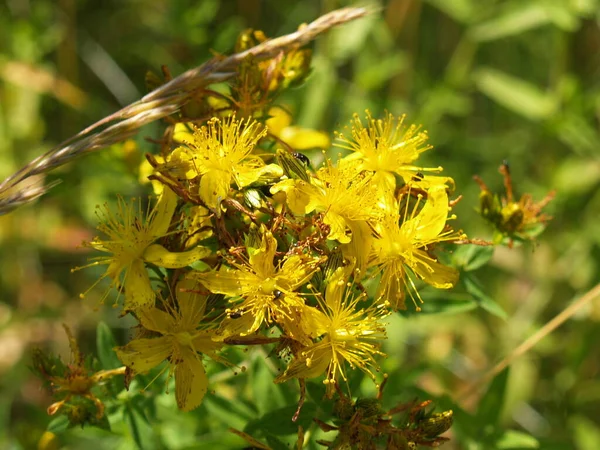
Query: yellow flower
x=343 y=193
x=181 y=342
x=404 y=247
x=388 y=147
x=267 y=290
x=130 y=242
x=220 y=153
x=348 y=334
x=280 y=125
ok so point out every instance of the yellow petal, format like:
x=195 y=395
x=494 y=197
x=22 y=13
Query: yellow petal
x=182 y=163
x=386 y=183
x=138 y=290
x=298 y=193
x=157 y=254
x=154 y=319
x=227 y=281
x=183 y=133
x=163 y=212
x=191 y=303
x=430 y=181
x=431 y=220
x=306 y=323
x=310 y=365
x=191 y=382
x=359 y=247
x=146 y=169
x=304 y=138
x=279 y=119
x=432 y=272
x=250 y=172
x=214 y=187
x=337 y=226
x=262 y=260
x=141 y=355
x=204 y=343
x=240 y=326
x=293 y=324
x=296 y=271
x=336 y=286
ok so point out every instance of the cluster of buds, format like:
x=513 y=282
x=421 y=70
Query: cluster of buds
x=512 y=220
x=74 y=384
x=366 y=425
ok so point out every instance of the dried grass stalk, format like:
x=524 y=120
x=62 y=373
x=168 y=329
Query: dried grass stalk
x=18 y=189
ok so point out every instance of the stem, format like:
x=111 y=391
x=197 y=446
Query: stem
x=529 y=343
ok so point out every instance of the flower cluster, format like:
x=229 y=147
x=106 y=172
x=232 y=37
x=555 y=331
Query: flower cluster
x=254 y=245
x=291 y=262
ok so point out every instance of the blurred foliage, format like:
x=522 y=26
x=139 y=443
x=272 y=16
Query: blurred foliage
x=491 y=80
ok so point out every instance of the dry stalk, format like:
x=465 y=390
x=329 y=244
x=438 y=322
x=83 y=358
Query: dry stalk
x=18 y=189
x=474 y=388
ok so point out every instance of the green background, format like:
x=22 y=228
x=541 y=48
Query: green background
x=490 y=80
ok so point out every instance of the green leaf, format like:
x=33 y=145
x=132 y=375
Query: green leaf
x=576 y=132
x=217 y=441
x=279 y=422
x=490 y=407
x=349 y=39
x=276 y=444
x=471 y=257
x=516 y=94
x=382 y=69
x=586 y=432
x=459 y=10
x=513 y=440
x=234 y=414
x=473 y=287
x=58 y=424
x=141 y=432
x=266 y=394
x=518 y=17
x=105 y=343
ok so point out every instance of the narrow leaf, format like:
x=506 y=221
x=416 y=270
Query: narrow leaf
x=105 y=342
x=473 y=287
x=516 y=94
x=490 y=407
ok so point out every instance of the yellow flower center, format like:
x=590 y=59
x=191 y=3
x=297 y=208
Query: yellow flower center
x=268 y=286
x=184 y=338
x=341 y=335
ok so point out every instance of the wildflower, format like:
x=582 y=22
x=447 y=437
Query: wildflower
x=387 y=147
x=268 y=291
x=343 y=193
x=182 y=341
x=347 y=334
x=220 y=153
x=403 y=248
x=131 y=244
